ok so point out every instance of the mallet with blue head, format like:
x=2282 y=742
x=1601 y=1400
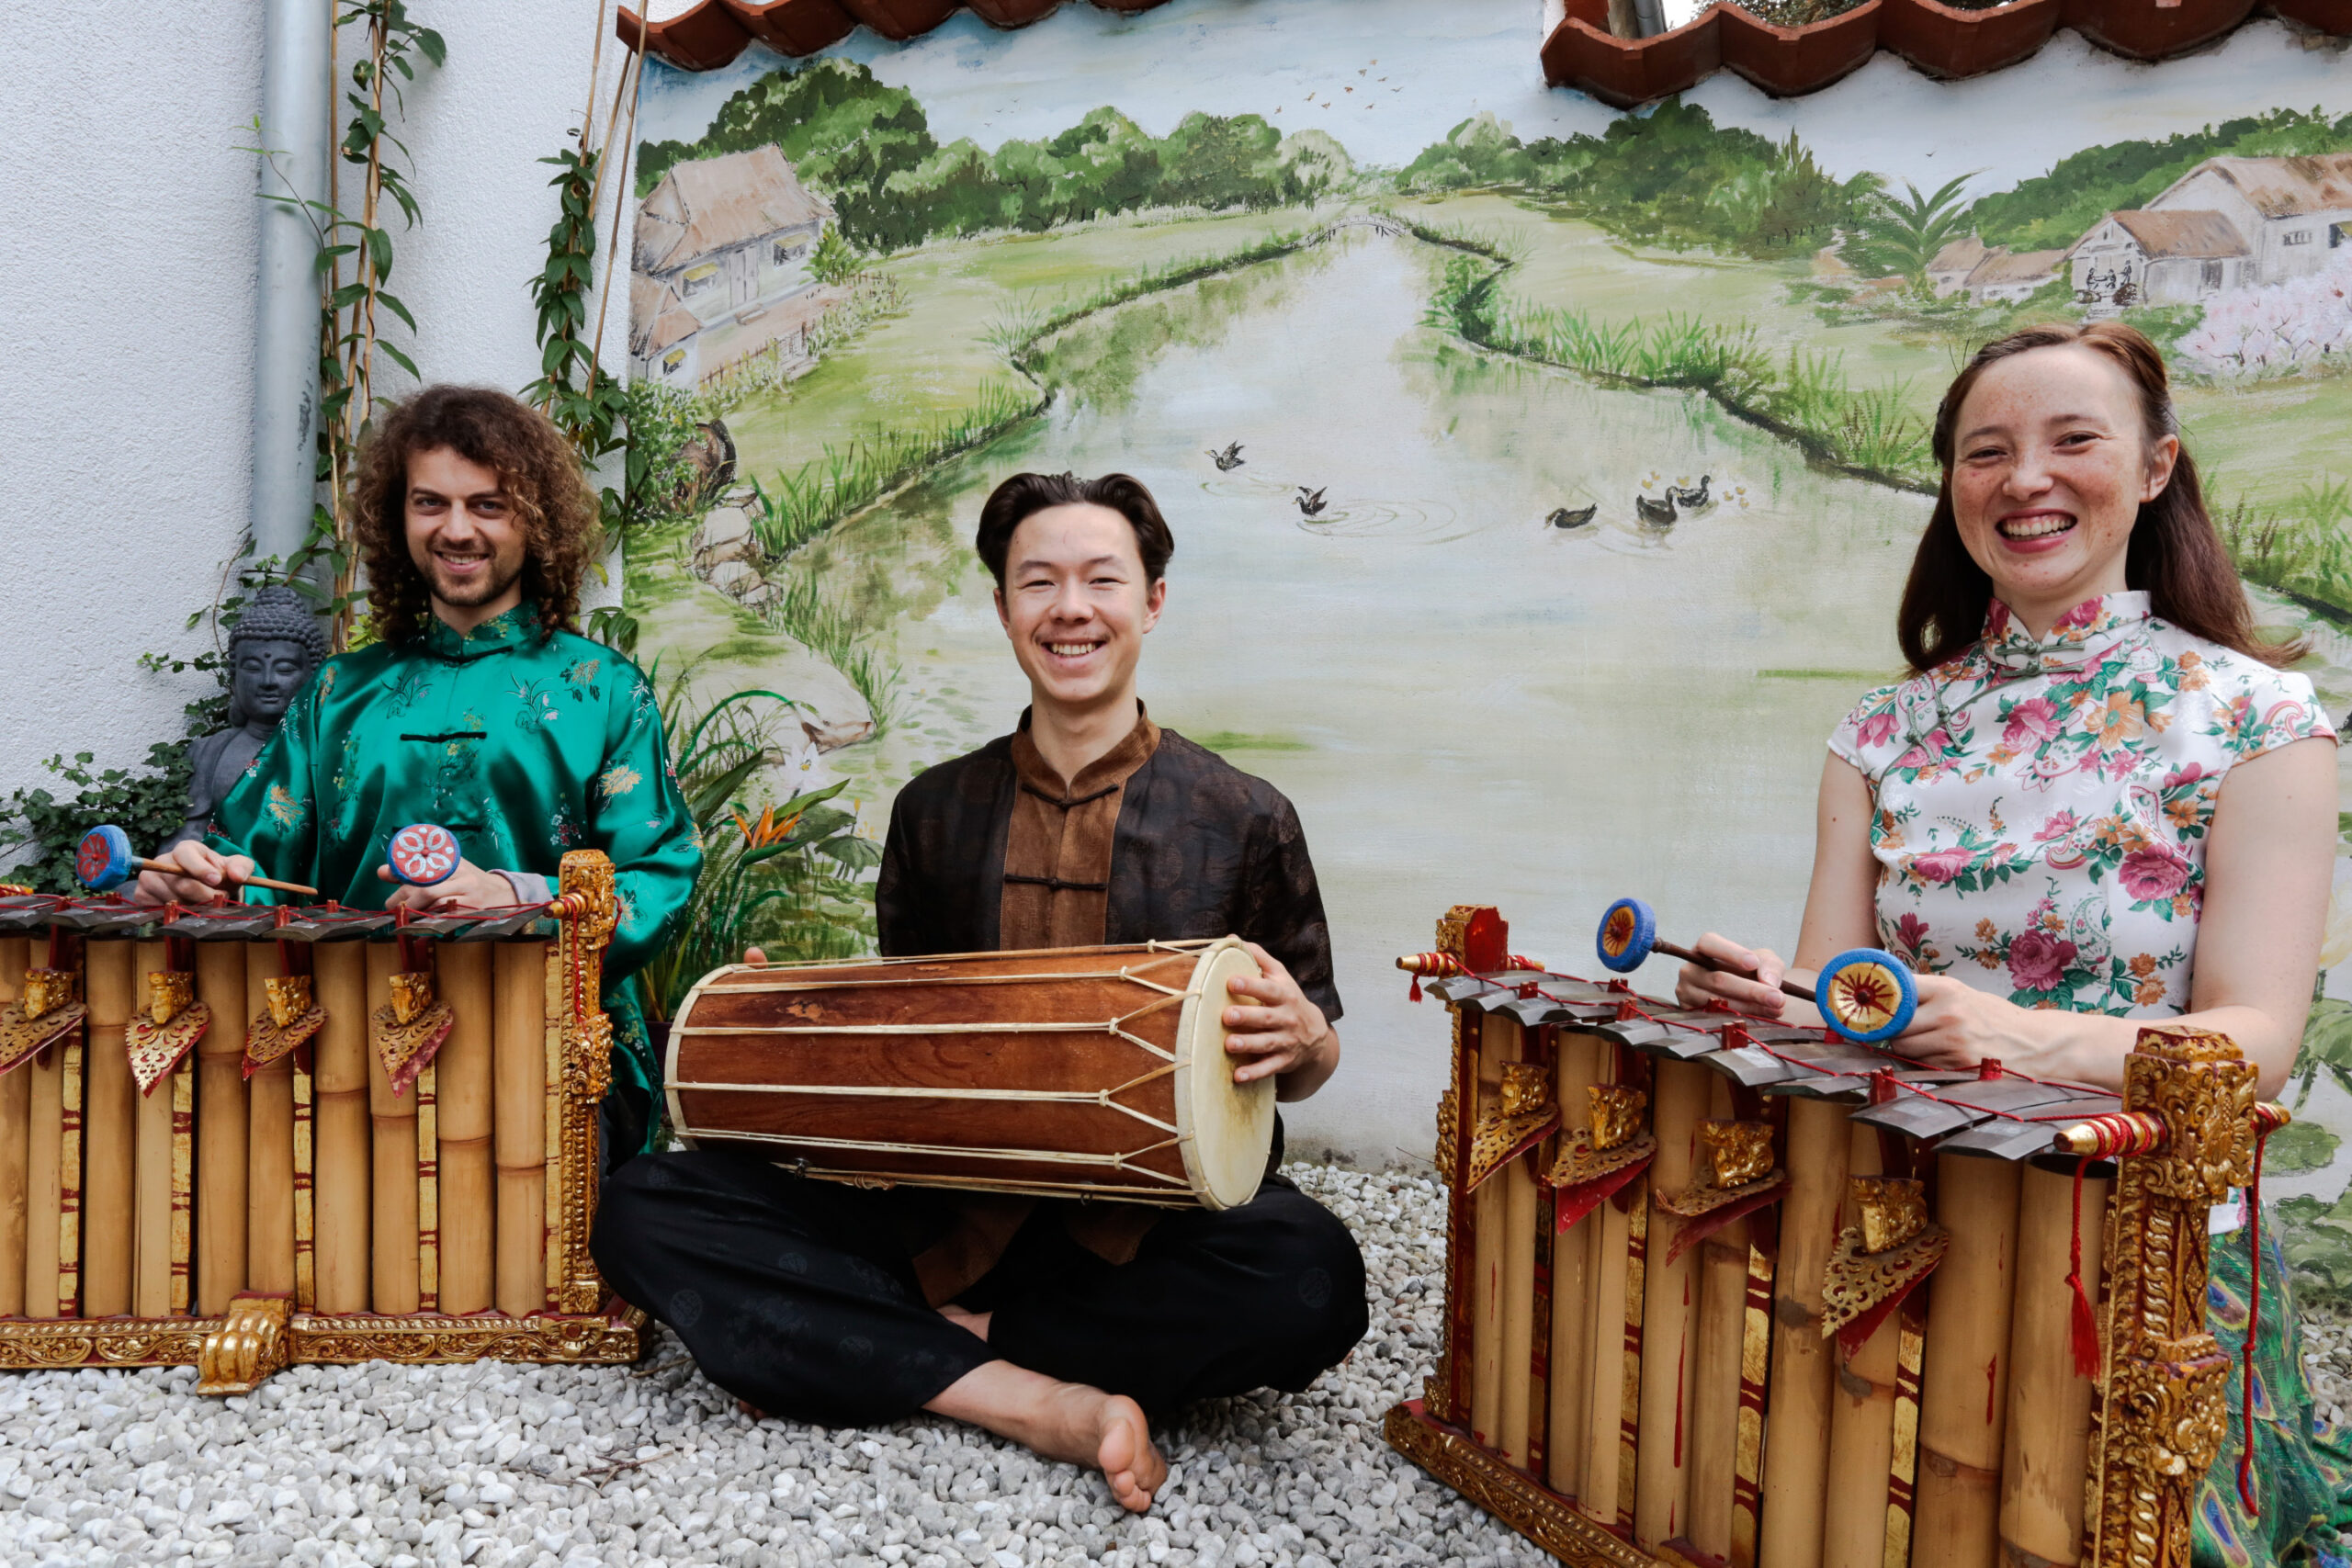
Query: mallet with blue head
x=104 y=863
x=1866 y=993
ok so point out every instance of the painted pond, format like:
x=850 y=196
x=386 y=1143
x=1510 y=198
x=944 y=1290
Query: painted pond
x=1465 y=704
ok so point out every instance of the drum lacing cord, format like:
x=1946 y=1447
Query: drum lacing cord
x=1123 y=1161
x=1103 y=1097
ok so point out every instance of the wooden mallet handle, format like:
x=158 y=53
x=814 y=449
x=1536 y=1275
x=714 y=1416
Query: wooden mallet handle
x=103 y=861
x=171 y=868
x=1674 y=950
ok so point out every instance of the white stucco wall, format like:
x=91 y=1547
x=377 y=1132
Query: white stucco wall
x=128 y=233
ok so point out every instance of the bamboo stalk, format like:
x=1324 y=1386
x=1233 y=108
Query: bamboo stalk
x=109 y=1209
x=1796 y=1461
x=1669 y=1323
x=2047 y=1456
x=1519 y=1309
x=1862 y=1419
x=222 y=1167
x=270 y=1149
x=392 y=1122
x=1964 y=1380
x=153 y=1165
x=53 y=1198
x=1721 y=1334
x=1498 y=1043
x=518 y=1051
x=340 y=1135
x=15 y=1140
x=1570 y=1360
x=468 y=1188
x=1613 y=1384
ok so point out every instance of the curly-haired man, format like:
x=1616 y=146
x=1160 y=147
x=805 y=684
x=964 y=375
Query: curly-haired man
x=479 y=706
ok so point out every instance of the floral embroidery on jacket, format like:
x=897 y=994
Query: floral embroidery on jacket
x=2043 y=807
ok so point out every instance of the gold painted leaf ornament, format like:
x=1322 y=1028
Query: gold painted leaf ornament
x=1737 y=1177
x=44 y=1015
x=411 y=1029
x=174 y=1022
x=1524 y=1117
x=1596 y=1160
x=1880 y=1261
x=289 y=1022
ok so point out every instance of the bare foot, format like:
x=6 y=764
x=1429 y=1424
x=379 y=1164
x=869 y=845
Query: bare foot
x=973 y=1322
x=1130 y=1464
x=1064 y=1421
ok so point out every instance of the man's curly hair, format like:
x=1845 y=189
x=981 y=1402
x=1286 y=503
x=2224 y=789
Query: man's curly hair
x=535 y=466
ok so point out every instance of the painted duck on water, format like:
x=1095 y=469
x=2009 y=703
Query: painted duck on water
x=1564 y=518
x=1655 y=513
x=1227 y=460
x=1690 y=499
x=1310 y=503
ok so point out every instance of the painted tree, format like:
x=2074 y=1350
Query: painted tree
x=1902 y=234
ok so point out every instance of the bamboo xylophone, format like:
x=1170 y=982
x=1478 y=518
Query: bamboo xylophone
x=240 y=1137
x=1724 y=1290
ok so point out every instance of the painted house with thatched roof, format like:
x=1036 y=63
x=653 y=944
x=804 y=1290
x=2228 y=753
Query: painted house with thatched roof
x=2290 y=211
x=719 y=241
x=2158 y=258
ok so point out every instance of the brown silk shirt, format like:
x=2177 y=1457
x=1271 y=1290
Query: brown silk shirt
x=1160 y=839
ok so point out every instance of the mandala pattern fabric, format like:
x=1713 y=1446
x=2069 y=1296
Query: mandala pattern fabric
x=2043 y=806
x=524 y=745
x=2302 y=1467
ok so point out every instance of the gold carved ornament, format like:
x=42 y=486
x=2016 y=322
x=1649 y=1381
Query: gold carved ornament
x=291 y=1019
x=409 y=1028
x=1738 y=1175
x=1598 y=1158
x=1879 y=1261
x=174 y=1022
x=1523 y=1116
x=44 y=1015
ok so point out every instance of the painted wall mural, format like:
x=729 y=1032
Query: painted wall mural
x=1542 y=477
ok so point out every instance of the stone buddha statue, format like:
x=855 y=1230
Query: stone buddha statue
x=273 y=650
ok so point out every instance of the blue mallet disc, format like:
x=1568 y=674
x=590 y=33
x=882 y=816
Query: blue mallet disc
x=1867 y=994
x=423 y=854
x=104 y=859
x=1627 y=929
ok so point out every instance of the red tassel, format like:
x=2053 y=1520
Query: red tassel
x=2085 y=1321
x=2253 y=1329
x=1413 y=993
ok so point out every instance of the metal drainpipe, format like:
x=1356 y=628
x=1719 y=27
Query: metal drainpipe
x=298 y=124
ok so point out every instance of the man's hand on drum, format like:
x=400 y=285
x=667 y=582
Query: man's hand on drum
x=467 y=887
x=204 y=878
x=1284 y=1034
x=1757 y=992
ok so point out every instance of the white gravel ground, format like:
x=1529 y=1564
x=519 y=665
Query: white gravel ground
x=564 y=1468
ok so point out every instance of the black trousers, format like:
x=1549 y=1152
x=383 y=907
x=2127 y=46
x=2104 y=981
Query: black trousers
x=798 y=1296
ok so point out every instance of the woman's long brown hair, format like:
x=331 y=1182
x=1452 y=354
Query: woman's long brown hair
x=2176 y=553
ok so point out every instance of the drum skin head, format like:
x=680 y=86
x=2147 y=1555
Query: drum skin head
x=1229 y=1127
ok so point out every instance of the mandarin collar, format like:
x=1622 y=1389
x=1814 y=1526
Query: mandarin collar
x=1111 y=769
x=511 y=628
x=2079 y=636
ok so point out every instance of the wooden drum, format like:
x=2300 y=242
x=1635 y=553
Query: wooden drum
x=1093 y=1072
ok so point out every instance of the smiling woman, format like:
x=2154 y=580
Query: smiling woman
x=2096 y=801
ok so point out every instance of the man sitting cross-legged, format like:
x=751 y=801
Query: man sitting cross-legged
x=1057 y=1325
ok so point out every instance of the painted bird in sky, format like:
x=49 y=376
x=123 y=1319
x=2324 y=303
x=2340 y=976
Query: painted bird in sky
x=1310 y=502
x=1228 y=459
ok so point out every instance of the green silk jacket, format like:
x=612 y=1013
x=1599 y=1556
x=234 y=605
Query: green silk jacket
x=522 y=745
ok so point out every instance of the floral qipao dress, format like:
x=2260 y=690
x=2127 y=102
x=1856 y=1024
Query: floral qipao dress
x=2041 y=811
